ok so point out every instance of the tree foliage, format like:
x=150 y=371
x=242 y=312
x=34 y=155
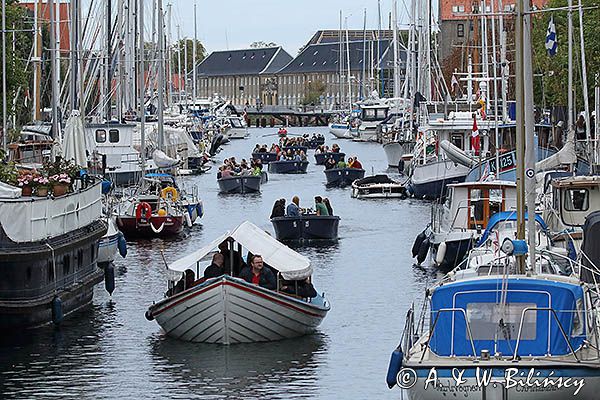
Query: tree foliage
x=552 y=71
x=260 y=44
x=189 y=43
x=313 y=92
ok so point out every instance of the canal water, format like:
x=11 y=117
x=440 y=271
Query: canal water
x=111 y=351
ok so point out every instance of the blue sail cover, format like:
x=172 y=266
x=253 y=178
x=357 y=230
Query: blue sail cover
x=506 y=216
x=481 y=300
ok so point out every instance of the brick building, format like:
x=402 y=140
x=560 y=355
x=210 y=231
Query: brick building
x=63 y=17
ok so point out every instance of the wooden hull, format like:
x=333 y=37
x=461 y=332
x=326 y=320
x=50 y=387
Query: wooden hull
x=306 y=227
x=155 y=227
x=240 y=184
x=228 y=310
x=321 y=158
x=288 y=167
x=344 y=176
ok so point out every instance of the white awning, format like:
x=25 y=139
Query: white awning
x=291 y=265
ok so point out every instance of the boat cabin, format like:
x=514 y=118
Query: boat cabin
x=575 y=197
x=470 y=205
x=468 y=318
x=115 y=141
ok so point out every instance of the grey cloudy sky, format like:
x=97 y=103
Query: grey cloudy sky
x=235 y=24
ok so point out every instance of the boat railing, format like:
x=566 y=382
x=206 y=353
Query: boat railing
x=432 y=330
x=553 y=313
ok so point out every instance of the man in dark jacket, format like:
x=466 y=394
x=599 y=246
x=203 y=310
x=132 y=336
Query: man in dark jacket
x=216 y=268
x=258 y=274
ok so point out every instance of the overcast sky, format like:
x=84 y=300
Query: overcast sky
x=234 y=24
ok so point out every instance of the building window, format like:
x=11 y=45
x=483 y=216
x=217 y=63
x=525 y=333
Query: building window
x=460 y=30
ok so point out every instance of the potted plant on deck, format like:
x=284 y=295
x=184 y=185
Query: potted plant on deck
x=61 y=174
x=42 y=186
x=60 y=184
x=25 y=182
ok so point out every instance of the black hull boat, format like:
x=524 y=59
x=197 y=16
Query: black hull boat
x=316 y=142
x=49 y=266
x=306 y=228
x=265 y=157
x=322 y=157
x=295 y=149
x=240 y=184
x=343 y=176
x=288 y=167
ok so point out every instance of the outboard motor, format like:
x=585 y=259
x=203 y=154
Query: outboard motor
x=590 y=248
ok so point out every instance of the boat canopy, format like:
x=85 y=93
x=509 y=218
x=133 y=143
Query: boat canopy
x=495 y=309
x=291 y=265
x=506 y=216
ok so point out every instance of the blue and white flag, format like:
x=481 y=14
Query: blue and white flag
x=551 y=42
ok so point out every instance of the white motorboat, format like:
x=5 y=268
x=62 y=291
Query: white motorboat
x=378 y=187
x=228 y=309
x=373 y=112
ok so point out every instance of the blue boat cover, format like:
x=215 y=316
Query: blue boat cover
x=481 y=299
x=158 y=175
x=506 y=216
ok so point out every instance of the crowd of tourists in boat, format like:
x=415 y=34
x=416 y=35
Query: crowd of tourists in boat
x=287 y=153
x=252 y=269
x=231 y=168
x=322 y=207
x=352 y=162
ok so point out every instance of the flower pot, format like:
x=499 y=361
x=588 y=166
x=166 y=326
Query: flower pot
x=26 y=191
x=59 y=190
x=41 y=191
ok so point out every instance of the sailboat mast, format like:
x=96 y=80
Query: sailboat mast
x=178 y=64
x=37 y=59
x=586 y=103
x=520 y=150
x=4 y=125
x=141 y=85
x=364 y=55
x=108 y=82
x=570 y=67
x=161 y=75
x=341 y=63
x=53 y=61
x=194 y=57
x=395 y=43
x=348 y=61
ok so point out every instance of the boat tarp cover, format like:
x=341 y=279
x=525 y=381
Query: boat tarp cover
x=9 y=192
x=506 y=216
x=291 y=265
x=497 y=332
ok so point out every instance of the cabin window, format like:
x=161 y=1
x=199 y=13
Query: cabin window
x=66 y=265
x=576 y=200
x=477 y=206
x=457 y=140
x=113 y=136
x=484 y=320
x=495 y=201
x=100 y=136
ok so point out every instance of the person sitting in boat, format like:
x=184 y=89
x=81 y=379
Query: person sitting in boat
x=186 y=282
x=278 y=208
x=227 y=172
x=330 y=163
x=301 y=288
x=335 y=148
x=238 y=261
x=274 y=148
x=319 y=149
x=341 y=164
x=302 y=155
x=256 y=168
x=258 y=274
x=320 y=207
x=293 y=209
x=328 y=205
x=256 y=148
x=355 y=163
x=297 y=156
x=216 y=268
x=263 y=149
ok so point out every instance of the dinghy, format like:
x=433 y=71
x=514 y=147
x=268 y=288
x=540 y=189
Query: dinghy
x=343 y=176
x=306 y=227
x=240 y=184
x=320 y=158
x=378 y=187
x=288 y=167
x=265 y=157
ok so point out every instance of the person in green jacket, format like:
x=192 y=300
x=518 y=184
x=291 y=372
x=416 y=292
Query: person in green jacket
x=342 y=164
x=320 y=207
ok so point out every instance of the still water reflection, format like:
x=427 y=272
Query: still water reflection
x=111 y=351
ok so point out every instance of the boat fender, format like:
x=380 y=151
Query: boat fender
x=159 y=230
x=57 y=310
x=188 y=219
x=423 y=250
x=149 y=315
x=109 y=278
x=122 y=245
x=417 y=245
x=441 y=253
x=199 y=210
x=145 y=208
x=394 y=367
x=401 y=166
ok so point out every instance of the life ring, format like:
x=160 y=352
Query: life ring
x=145 y=208
x=169 y=190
